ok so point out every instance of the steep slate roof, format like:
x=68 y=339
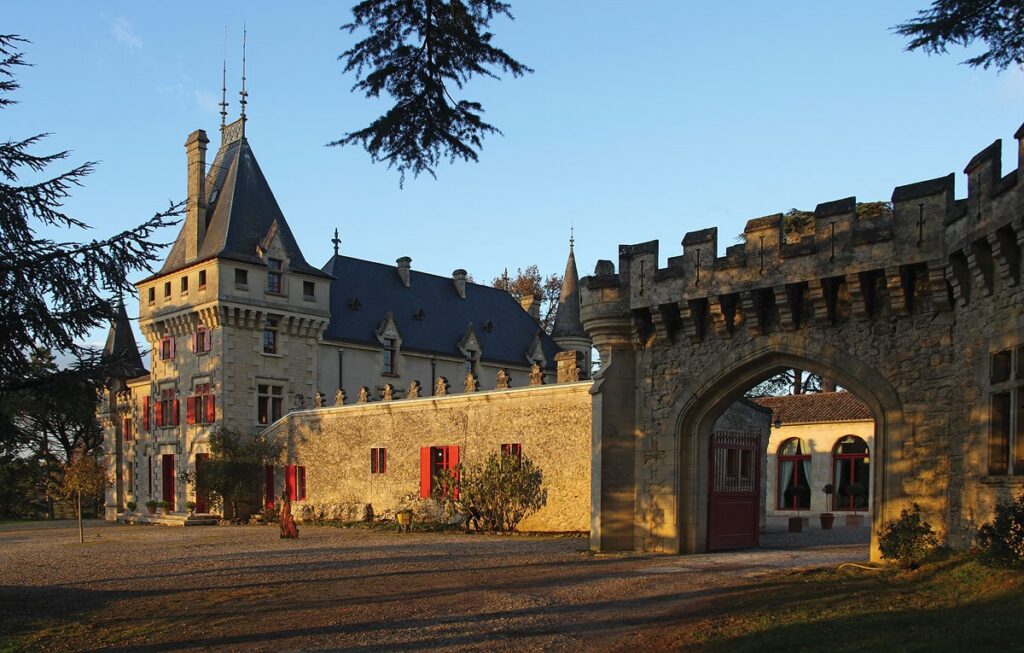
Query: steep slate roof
x=121 y=342
x=446 y=316
x=241 y=209
x=816 y=407
x=567 y=318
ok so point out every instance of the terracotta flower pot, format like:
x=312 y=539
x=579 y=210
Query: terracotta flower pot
x=796 y=524
x=827 y=519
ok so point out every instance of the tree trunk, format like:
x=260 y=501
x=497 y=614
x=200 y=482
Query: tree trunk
x=81 y=533
x=828 y=385
x=798 y=382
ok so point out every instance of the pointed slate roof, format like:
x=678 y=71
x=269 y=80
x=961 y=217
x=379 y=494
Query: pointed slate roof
x=241 y=211
x=567 y=317
x=121 y=342
x=429 y=314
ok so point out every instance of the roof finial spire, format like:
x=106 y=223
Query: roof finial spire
x=243 y=93
x=572 y=234
x=224 y=84
x=336 y=241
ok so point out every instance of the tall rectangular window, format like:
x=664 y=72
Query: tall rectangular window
x=275 y=276
x=202 y=279
x=167 y=289
x=270 y=336
x=167 y=409
x=378 y=460
x=184 y=285
x=295 y=482
x=126 y=426
x=471 y=362
x=151 y=295
x=512 y=451
x=269 y=400
x=1006 y=412
x=201 y=340
x=390 y=354
x=201 y=406
x=241 y=278
x=308 y=290
x=432 y=461
x=167 y=348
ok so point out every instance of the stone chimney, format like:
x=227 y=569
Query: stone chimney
x=569 y=367
x=531 y=304
x=1019 y=135
x=195 y=205
x=459 y=279
x=404 y=264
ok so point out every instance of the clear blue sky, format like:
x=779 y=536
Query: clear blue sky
x=642 y=121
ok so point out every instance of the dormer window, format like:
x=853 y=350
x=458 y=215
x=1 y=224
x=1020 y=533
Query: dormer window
x=308 y=290
x=470 y=362
x=241 y=278
x=184 y=285
x=167 y=289
x=390 y=356
x=202 y=279
x=275 y=276
x=151 y=295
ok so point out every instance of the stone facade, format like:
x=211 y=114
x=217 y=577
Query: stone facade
x=907 y=310
x=551 y=422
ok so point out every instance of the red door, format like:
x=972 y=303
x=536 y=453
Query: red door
x=168 y=475
x=734 y=497
x=202 y=493
x=289 y=482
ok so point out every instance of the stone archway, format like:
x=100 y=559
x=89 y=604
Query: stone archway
x=701 y=401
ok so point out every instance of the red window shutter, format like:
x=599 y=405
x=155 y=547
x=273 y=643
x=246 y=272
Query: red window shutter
x=211 y=410
x=176 y=417
x=383 y=461
x=159 y=413
x=289 y=481
x=373 y=461
x=269 y=502
x=145 y=413
x=172 y=348
x=190 y=410
x=195 y=342
x=302 y=481
x=425 y=472
x=453 y=462
x=207 y=340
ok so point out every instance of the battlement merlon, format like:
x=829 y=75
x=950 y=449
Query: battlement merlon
x=927 y=225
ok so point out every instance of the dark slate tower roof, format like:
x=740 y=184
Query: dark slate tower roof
x=121 y=342
x=241 y=209
x=567 y=318
x=429 y=314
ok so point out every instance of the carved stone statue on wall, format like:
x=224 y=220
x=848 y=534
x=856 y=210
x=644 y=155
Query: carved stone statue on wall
x=414 y=390
x=387 y=394
x=504 y=382
x=319 y=400
x=573 y=374
x=441 y=387
x=339 y=397
x=536 y=375
x=364 y=395
x=471 y=383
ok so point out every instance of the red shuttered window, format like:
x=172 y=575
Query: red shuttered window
x=145 y=413
x=378 y=460
x=167 y=348
x=512 y=451
x=295 y=482
x=432 y=461
x=200 y=407
x=127 y=428
x=201 y=340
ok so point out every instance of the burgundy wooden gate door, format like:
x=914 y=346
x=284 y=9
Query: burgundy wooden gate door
x=734 y=497
x=202 y=493
x=168 y=477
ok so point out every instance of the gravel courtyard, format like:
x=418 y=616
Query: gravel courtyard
x=243 y=588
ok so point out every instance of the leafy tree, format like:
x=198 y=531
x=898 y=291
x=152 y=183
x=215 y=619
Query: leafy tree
x=52 y=294
x=418 y=52
x=789 y=382
x=999 y=24
x=82 y=475
x=236 y=466
x=497 y=495
x=530 y=282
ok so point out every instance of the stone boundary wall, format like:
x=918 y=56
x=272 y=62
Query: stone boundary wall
x=551 y=422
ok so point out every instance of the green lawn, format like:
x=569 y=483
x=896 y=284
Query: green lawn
x=955 y=603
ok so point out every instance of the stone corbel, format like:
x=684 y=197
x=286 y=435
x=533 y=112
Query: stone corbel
x=896 y=291
x=786 y=321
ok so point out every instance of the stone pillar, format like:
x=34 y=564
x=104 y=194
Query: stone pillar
x=607 y=320
x=569 y=367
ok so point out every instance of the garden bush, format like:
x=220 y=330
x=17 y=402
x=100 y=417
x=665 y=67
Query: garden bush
x=1003 y=538
x=495 y=496
x=908 y=540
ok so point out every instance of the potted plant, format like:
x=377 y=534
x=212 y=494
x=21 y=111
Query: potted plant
x=796 y=524
x=191 y=506
x=855 y=491
x=131 y=506
x=163 y=506
x=151 y=505
x=827 y=518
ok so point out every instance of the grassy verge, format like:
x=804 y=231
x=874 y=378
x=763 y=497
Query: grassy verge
x=954 y=603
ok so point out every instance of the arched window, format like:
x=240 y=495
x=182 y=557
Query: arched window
x=851 y=464
x=794 y=475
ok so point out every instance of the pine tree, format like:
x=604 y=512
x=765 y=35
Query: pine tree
x=418 y=52
x=52 y=294
x=999 y=24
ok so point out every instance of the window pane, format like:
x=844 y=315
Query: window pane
x=999 y=436
x=1000 y=366
x=1018 y=436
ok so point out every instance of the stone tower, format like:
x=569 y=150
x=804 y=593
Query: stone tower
x=568 y=331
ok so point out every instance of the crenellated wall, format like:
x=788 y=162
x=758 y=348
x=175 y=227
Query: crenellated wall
x=905 y=310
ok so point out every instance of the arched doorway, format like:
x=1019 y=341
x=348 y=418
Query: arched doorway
x=703 y=401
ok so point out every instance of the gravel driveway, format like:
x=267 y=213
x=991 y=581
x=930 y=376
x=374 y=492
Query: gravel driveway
x=243 y=588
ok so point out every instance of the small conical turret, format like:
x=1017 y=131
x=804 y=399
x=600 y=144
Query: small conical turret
x=567 y=331
x=121 y=344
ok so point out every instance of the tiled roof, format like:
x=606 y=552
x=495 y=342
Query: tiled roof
x=429 y=314
x=241 y=209
x=567 y=319
x=121 y=342
x=816 y=407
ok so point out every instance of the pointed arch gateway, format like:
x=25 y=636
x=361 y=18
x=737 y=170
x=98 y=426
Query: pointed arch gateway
x=702 y=401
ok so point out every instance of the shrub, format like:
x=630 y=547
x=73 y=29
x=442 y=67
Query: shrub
x=131 y=506
x=907 y=540
x=1003 y=538
x=152 y=504
x=497 y=495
